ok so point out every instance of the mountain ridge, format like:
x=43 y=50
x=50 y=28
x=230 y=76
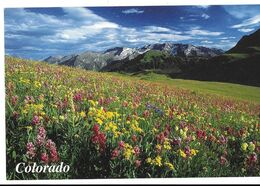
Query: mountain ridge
x=98 y=60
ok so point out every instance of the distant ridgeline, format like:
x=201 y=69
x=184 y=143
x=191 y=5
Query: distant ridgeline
x=238 y=65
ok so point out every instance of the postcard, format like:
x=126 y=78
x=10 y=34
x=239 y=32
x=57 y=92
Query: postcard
x=105 y=92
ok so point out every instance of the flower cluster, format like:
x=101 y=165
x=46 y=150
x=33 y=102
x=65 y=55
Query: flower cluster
x=43 y=148
x=99 y=138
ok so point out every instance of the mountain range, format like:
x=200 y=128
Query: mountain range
x=99 y=60
x=240 y=64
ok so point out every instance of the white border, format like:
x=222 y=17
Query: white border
x=85 y=3
x=81 y=3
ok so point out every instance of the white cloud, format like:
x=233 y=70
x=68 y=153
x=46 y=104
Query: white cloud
x=225 y=41
x=133 y=11
x=203 y=6
x=29 y=21
x=31 y=48
x=230 y=37
x=82 y=32
x=245 y=29
x=205 y=16
x=206 y=42
x=156 y=29
x=82 y=15
x=242 y=11
x=200 y=32
x=253 y=21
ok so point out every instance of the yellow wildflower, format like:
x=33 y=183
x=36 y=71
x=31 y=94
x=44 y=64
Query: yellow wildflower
x=93 y=103
x=169 y=165
x=166 y=145
x=149 y=160
x=158 y=147
x=109 y=115
x=158 y=161
x=244 y=146
x=61 y=117
x=99 y=121
x=128 y=151
x=193 y=152
x=251 y=147
x=37 y=84
x=155 y=130
x=182 y=154
x=82 y=114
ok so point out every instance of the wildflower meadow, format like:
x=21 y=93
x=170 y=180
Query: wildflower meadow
x=106 y=126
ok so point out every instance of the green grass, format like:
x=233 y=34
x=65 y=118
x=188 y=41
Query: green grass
x=234 y=91
x=237 y=55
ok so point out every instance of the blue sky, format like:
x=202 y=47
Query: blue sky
x=37 y=33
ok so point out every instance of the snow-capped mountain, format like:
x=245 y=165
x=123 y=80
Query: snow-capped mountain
x=184 y=50
x=98 y=60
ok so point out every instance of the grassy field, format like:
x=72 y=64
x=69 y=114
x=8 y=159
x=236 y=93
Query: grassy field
x=105 y=125
x=235 y=91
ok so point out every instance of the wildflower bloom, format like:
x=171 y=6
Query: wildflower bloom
x=121 y=145
x=115 y=153
x=134 y=138
x=136 y=150
x=149 y=160
x=158 y=161
x=14 y=99
x=98 y=138
x=176 y=141
x=77 y=97
x=51 y=146
x=223 y=139
x=95 y=129
x=193 y=152
x=128 y=153
x=201 y=134
x=252 y=159
x=182 y=154
x=40 y=140
x=187 y=150
x=82 y=114
x=166 y=145
x=169 y=166
x=244 y=146
x=158 y=148
x=160 y=137
x=36 y=120
x=251 y=147
x=45 y=158
x=42 y=132
x=30 y=150
x=54 y=154
x=223 y=160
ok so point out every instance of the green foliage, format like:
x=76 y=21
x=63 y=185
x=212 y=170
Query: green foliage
x=153 y=59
